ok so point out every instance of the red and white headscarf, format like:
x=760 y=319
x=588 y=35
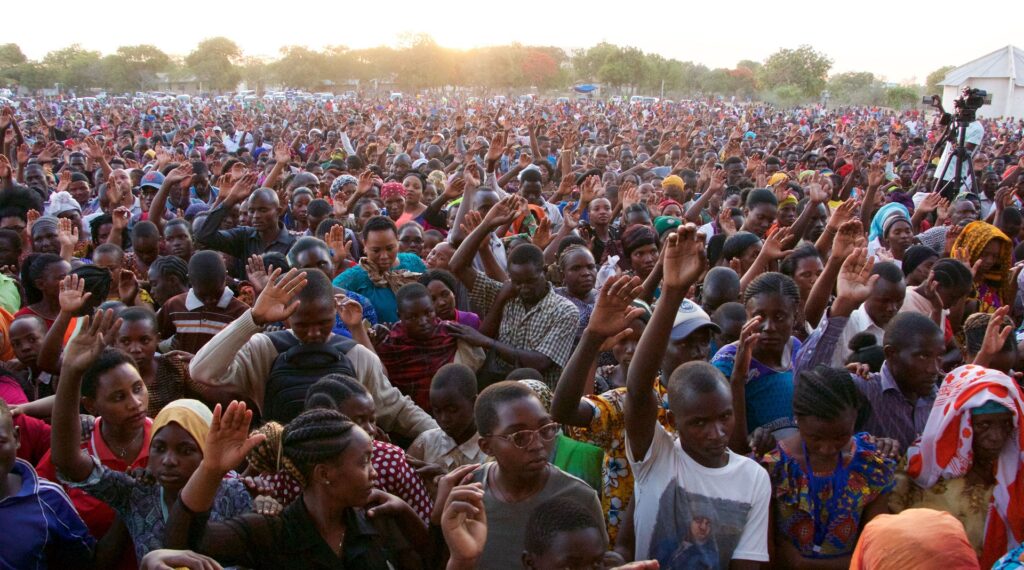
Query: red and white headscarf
x=944 y=450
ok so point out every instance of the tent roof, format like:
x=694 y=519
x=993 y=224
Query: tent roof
x=1005 y=62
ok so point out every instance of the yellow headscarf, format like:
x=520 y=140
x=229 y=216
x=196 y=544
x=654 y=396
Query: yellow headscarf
x=192 y=415
x=673 y=181
x=777 y=178
x=973 y=239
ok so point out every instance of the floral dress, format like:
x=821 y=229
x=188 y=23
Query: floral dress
x=607 y=430
x=820 y=523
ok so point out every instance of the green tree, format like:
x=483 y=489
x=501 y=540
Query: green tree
x=134 y=67
x=931 y=83
x=11 y=56
x=804 y=68
x=856 y=88
x=214 y=63
x=256 y=73
x=901 y=97
x=76 y=68
x=300 y=67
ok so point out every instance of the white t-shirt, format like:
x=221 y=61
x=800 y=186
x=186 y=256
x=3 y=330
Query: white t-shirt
x=691 y=516
x=975 y=134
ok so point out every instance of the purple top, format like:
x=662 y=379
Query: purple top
x=467 y=318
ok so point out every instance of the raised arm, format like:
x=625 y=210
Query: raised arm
x=72 y=298
x=71 y=461
x=684 y=263
x=180 y=176
x=849 y=236
x=502 y=213
x=614 y=312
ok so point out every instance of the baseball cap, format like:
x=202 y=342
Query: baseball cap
x=689 y=318
x=153 y=179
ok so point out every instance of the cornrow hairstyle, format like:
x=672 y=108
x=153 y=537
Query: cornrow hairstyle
x=792 y=261
x=953 y=274
x=485 y=411
x=569 y=250
x=97 y=281
x=33 y=268
x=332 y=391
x=825 y=393
x=171 y=266
x=268 y=457
x=554 y=516
x=773 y=282
x=316 y=436
x=974 y=332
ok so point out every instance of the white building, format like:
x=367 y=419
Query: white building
x=1001 y=73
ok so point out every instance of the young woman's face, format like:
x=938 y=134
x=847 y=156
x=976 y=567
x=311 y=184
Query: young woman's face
x=121 y=398
x=900 y=237
x=300 y=205
x=410 y=240
x=749 y=255
x=644 y=259
x=990 y=256
x=413 y=189
x=361 y=410
x=808 y=269
x=351 y=475
x=53 y=274
x=139 y=340
x=777 y=317
x=173 y=456
x=381 y=248
x=826 y=439
x=444 y=300
x=624 y=349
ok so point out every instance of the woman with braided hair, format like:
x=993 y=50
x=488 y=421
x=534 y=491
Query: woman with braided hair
x=348 y=396
x=579 y=274
x=340 y=520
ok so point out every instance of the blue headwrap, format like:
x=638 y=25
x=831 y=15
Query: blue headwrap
x=883 y=213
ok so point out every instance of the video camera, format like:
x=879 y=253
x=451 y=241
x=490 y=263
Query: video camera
x=966 y=106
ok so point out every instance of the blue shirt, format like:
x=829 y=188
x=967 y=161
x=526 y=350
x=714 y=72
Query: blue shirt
x=383 y=298
x=369 y=314
x=769 y=391
x=41 y=526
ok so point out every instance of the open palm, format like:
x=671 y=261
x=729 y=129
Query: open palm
x=228 y=441
x=614 y=310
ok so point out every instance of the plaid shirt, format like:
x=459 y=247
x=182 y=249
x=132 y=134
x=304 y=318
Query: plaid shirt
x=892 y=414
x=549 y=327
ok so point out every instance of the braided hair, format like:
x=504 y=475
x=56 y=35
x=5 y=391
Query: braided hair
x=171 y=266
x=953 y=274
x=314 y=437
x=825 y=393
x=772 y=282
x=268 y=456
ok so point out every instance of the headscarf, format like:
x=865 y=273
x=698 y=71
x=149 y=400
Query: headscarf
x=46 y=222
x=664 y=223
x=915 y=539
x=777 y=178
x=944 y=450
x=890 y=221
x=668 y=202
x=341 y=181
x=542 y=390
x=61 y=202
x=192 y=415
x=673 y=181
x=883 y=213
x=437 y=177
x=973 y=239
x=637 y=236
x=915 y=256
x=392 y=189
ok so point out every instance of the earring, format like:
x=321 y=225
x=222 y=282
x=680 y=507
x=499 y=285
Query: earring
x=326 y=482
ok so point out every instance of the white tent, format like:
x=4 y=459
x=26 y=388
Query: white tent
x=1001 y=73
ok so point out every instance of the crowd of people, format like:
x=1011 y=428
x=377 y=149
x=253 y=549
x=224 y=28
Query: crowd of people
x=447 y=333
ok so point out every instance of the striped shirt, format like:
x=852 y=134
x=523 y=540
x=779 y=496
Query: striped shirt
x=192 y=323
x=893 y=415
x=41 y=527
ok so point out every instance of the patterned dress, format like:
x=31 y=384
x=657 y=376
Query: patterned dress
x=817 y=522
x=607 y=430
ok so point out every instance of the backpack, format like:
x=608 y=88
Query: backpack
x=297 y=367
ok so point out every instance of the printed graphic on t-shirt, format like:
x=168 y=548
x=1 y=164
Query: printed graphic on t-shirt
x=694 y=532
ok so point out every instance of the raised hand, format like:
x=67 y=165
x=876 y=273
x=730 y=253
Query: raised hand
x=774 y=247
x=542 y=236
x=228 y=441
x=121 y=216
x=749 y=335
x=876 y=174
x=282 y=152
x=63 y=182
x=849 y=236
x=127 y=286
x=996 y=334
x=508 y=209
x=72 y=296
x=67 y=233
x=455 y=189
x=614 y=309
x=350 y=311
x=93 y=149
x=335 y=239
x=497 y=146
x=855 y=281
x=275 y=303
x=684 y=258
x=86 y=346
x=471 y=175
x=726 y=222
x=180 y=174
x=717 y=181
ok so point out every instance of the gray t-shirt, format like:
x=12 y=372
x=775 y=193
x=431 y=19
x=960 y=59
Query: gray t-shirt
x=506 y=522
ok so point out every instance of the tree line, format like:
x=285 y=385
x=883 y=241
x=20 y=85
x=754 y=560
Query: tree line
x=787 y=77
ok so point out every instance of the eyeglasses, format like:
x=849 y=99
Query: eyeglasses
x=523 y=439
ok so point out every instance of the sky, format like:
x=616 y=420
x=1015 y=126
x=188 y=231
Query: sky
x=888 y=38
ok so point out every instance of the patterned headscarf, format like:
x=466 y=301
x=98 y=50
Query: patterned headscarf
x=341 y=181
x=944 y=449
x=392 y=189
x=973 y=239
x=543 y=392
